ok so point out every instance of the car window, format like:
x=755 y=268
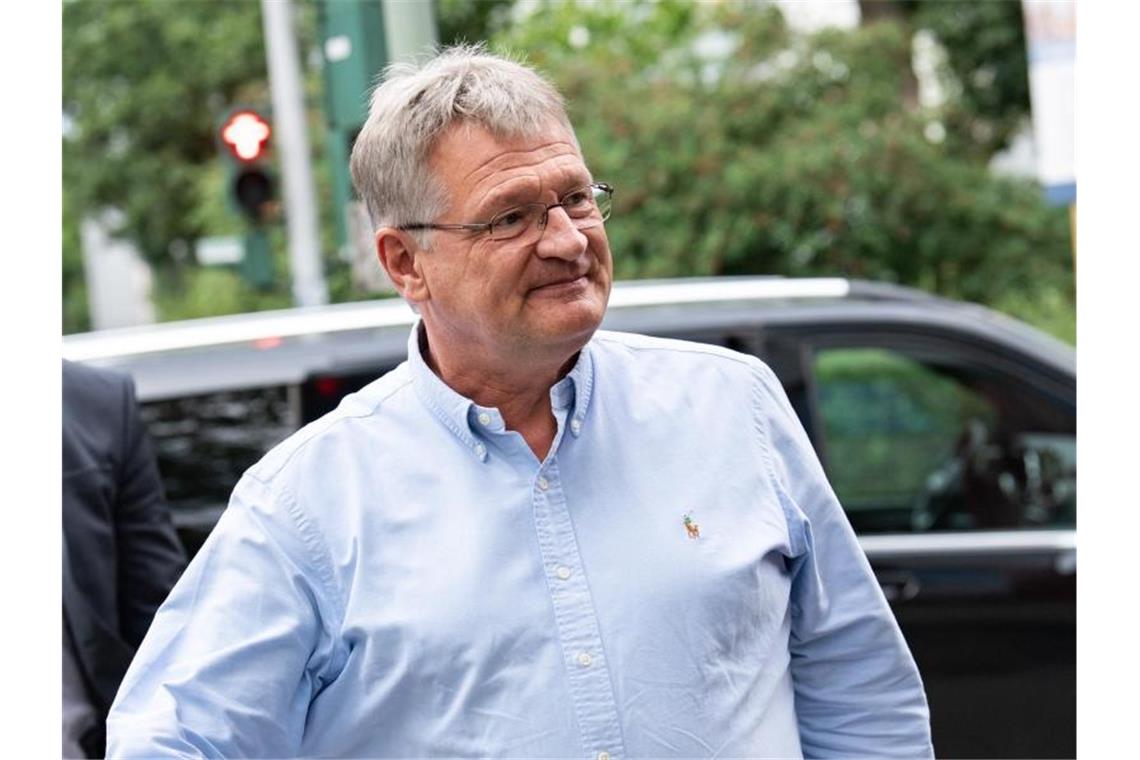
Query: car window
x=918 y=445
x=320 y=394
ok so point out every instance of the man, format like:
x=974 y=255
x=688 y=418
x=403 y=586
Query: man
x=531 y=539
x=120 y=552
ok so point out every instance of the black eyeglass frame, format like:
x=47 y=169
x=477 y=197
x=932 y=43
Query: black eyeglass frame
x=488 y=227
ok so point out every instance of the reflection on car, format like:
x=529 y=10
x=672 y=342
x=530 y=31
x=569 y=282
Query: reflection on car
x=947 y=430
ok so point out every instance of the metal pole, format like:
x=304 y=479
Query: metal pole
x=309 y=287
x=409 y=28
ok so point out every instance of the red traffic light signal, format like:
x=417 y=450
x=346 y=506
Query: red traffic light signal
x=245 y=134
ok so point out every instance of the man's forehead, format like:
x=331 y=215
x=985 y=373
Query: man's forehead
x=470 y=156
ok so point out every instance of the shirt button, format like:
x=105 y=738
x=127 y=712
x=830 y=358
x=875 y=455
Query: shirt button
x=480 y=450
x=576 y=427
x=562 y=572
x=543 y=483
x=584 y=659
x=484 y=419
x=603 y=756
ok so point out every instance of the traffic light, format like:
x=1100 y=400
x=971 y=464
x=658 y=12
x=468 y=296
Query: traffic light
x=244 y=139
x=245 y=136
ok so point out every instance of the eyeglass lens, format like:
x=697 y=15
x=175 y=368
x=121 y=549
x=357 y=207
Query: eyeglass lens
x=586 y=207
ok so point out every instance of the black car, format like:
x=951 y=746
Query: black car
x=947 y=430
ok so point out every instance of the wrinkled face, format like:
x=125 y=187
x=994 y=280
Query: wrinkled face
x=535 y=296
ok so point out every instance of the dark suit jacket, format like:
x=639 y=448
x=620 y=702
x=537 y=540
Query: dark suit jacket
x=121 y=554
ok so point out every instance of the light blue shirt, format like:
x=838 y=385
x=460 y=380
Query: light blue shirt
x=404 y=578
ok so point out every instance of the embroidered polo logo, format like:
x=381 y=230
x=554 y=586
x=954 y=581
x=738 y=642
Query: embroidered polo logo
x=692 y=528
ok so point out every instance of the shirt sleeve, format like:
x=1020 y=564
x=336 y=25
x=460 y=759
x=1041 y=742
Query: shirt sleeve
x=857 y=689
x=241 y=645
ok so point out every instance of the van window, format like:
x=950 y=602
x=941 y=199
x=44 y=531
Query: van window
x=913 y=445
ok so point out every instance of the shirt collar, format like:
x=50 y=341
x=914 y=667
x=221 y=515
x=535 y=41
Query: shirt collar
x=463 y=417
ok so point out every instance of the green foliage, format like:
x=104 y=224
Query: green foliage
x=214 y=290
x=145 y=86
x=470 y=20
x=985 y=45
x=145 y=83
x=1049 y=306
x=75 y=313
x=737 y=147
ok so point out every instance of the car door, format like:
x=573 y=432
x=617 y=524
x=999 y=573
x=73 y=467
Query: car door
x=956 y=463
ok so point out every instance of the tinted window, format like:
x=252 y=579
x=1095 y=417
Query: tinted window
x=322 y=393
x=914 y=445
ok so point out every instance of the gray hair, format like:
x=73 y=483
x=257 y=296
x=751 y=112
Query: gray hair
x=415 y=104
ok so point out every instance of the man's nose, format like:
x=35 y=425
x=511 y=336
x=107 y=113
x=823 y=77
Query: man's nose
x=560 y=238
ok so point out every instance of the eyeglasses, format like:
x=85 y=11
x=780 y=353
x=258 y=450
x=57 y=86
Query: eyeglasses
x=586 y=206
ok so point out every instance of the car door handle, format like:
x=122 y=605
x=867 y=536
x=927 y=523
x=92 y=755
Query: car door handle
x=898 y=585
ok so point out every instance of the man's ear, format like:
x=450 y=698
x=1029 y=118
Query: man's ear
x=399 y=255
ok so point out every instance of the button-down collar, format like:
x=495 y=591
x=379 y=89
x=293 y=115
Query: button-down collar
x=468 y=421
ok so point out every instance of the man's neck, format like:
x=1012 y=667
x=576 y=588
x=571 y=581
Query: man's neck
x=518 y=388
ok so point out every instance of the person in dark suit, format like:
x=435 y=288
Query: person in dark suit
x=121 y=555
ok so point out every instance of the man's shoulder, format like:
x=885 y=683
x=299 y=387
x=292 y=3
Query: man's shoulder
x=86 y=387
x=98 y=404
x=648 y=363
x=636 y=347
x=336 y=429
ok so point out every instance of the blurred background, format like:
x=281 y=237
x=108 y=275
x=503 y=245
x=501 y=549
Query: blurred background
x=894 y=140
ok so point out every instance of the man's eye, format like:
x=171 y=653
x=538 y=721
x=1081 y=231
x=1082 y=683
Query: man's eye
x=510 y=218
x=578 y=198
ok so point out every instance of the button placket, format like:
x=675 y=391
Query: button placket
x=588 y=677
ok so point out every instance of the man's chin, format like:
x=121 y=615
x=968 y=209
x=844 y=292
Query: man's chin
x=571 y=325
x=568 y=315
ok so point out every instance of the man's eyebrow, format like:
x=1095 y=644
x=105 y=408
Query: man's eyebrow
x=524 y=191
x=574 y=177
x=514 y=195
